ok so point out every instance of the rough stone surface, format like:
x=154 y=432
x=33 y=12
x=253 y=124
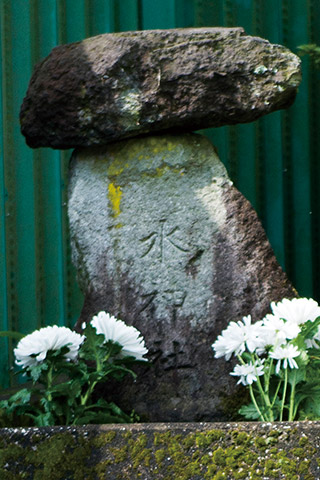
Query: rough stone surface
x=122 y=85
x=162 y=240
x=185 y=451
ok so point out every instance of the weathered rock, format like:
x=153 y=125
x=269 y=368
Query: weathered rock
x=158 y=451
x=122 y=85
x=162 y=240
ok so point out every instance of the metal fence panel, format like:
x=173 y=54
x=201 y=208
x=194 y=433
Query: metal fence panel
x=274 y=162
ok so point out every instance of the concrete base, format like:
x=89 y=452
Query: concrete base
x=179 y=451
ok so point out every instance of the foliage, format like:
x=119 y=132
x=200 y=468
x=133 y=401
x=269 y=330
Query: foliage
x=62 y=388
x=311 y=49
x=279 y=361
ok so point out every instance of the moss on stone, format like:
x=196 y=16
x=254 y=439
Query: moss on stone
x=104 y=438
x=139 y=454
x=159 y=457
x=58 y=457
x=183 y=455
x=119 y=454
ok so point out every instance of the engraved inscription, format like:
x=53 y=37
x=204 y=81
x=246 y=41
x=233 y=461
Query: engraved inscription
x=171 y=298
x=158 y=240
x=173 y=359
x=148 y=300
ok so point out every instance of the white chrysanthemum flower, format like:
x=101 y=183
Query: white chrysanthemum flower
x=237 y=337
x=287 y=353
x=32 y=349
x=315 y=341
x=248 y=373
x=312 y=343
x=117 y=331
x=297 y=310
x=276 y=331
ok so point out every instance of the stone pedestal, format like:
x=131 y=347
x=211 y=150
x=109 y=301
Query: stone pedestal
x=162 y=240
x=186 y=451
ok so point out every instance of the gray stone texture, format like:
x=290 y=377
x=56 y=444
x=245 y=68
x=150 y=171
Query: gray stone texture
x=162 y=240
x=121 y=85
x=162 y=451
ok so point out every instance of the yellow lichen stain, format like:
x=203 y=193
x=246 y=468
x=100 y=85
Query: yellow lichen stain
x=115 y=168
x=160 y=171
x=114 y=194
x=143 y=157
x=167 y=168
x=171 y=146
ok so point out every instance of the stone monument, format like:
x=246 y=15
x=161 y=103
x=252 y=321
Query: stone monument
x=160 y=236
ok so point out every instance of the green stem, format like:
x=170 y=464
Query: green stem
x=292 y=411
x=263 y=394
x=284 y=393
x=255 y=403
x=85 y=397
x=266 y=399
x=267 y=377
x=49 y=382
x=295 y=410
x=99 y=365
x=241 y=360
x=276 y=394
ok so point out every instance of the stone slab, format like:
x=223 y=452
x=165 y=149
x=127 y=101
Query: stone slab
x=121 y=85
x=162 y=240
x=184 y=451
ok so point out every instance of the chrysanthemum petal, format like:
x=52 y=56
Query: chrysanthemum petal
x=237 y=337
x=117 y=331
x=249 y=372
x=296 y=310
x=33 y=348
x=286 y=353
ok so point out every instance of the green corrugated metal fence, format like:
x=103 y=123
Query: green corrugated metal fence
x=274 y=162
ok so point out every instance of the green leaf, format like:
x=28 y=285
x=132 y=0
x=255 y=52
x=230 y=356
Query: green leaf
x=59 y=354
x=103 y=412
x=310 y=49
x=22 y=397
x=247 y=357
x=296 y=375
x=90 y=346
x=309 y=329
x=249 y=412
x=117 y=411
x=43 y=419
x=307 y=398
x=314 y=355
x=11 y=334
x=36 y=370
x=116 y=371
x=19 y=404
x=71 y=390
x=4 y=404
x=311 y=408
x=309 y=389
x=98 y=418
